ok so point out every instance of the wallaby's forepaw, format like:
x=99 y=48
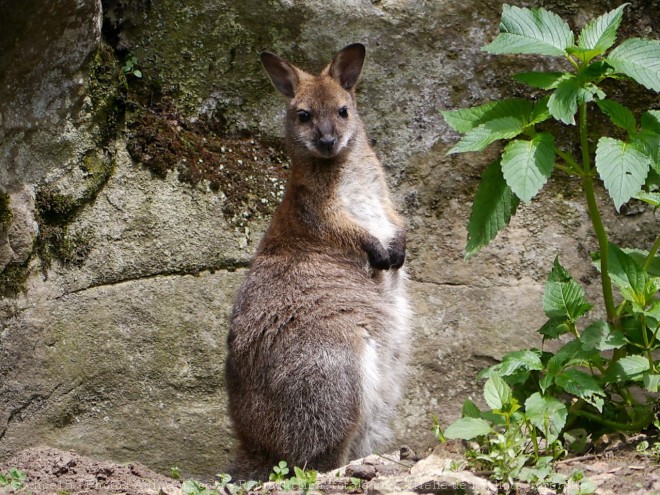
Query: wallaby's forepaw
x=397 y=256
x=397 y=249
x=379 y=257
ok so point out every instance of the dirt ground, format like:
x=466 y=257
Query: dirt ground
x=615 y=469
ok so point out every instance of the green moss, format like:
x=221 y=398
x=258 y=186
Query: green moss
x=56 y=210
x=107 y=89
x=69 y=248
x=6 y=214
x=13 y=279
x=55 y=241
x=194 y=52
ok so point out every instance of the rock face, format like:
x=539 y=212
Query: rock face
x=136 y=203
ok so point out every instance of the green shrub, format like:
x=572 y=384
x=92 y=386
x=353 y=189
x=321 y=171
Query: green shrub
x=542 y=402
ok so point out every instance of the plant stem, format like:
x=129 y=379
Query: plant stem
x=535 y=442
x=654 y=336
x=616 y=425
x=566 y=170
x=651 y=255
x=647 y=345
x=574 y=166
x=596 y=220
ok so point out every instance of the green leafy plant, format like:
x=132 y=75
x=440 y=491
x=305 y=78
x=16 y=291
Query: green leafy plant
x=579 y=485
x=175 y=473
x=354 y=485
x=222 y=485
x=14 y=479
x=303 y=479
x=130 y=67
x=645 y=449
x=541 y=400
x=279 y=472
x=511 y=438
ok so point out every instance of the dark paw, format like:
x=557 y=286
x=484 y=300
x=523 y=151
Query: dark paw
x=397 y=257
x=379 y=258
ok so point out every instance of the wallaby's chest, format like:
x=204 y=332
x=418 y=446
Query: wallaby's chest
x=363 y=197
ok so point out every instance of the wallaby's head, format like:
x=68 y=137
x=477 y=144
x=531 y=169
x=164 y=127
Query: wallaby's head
x=322 y=116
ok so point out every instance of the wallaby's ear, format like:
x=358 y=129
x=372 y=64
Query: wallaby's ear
x=283 y=75
x=347 y=65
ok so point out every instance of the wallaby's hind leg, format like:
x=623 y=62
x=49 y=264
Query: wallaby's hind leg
x=248 y=466
x=308 y=411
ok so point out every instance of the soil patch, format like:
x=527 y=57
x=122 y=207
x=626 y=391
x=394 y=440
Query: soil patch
x=55 y=472
x=614 y=468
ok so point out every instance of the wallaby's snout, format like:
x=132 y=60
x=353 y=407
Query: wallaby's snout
x=326 y=144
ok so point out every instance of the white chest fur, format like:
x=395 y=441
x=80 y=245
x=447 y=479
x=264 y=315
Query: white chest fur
x=362 y=196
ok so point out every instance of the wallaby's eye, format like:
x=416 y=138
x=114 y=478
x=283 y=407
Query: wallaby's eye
x=343 y=112
x=304 y=116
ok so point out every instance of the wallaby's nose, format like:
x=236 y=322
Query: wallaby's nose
x=327 y=142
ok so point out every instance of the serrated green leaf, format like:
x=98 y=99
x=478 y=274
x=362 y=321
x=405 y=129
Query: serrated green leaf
x=581 y=385
x=601 y=337
x=626 y=274
x=622 y=167
x=651 y=121
x=494 y=205
x=562 y=296
x=558 y=272
x=526 y=165
x=470 y=410
x=534 y=31
x=600 y=34
x=564 y=101
x=546 y=382
x=594 y=71
x=563 y=355
x=515 y=361
x=651 y=382
x=638 y=59
x=554 y=328
x=468 y=428
x=639 y=256
x=546 y=413
x=480 y=137
x=620 y=115
x=651 y=198
x=647 y=141
x=497 y=393
x=540 y=111
x=627 y=368
x=583 y=54
x=543 y=80
x=465 y=119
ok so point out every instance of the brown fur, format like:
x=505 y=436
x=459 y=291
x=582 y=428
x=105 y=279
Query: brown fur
x=321 y=295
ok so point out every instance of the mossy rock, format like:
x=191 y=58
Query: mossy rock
x=107 y=89
x=13 y=279
x=6 y=214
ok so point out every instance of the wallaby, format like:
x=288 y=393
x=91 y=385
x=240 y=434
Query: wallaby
x=319 y=332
